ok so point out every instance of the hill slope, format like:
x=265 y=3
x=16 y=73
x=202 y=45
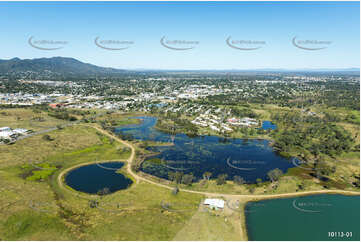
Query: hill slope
x=55 y=66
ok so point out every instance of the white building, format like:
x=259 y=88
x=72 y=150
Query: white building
x=21 y=131
x=7 y=134
x=214 y=203
x=214 y=128
x=5 y=129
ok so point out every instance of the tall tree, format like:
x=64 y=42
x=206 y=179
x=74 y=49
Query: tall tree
x=274 y=174
x=207 y=175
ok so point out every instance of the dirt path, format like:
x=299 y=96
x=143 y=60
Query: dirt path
x=244 y=198
x=132 y=153
x=210 y=194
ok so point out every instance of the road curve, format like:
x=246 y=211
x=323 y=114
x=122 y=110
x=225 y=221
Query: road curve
x=209 y=194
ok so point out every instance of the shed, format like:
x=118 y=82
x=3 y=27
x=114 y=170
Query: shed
x=5 y=129
x=214 y=203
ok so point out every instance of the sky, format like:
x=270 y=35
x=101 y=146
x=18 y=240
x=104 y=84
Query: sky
x=205 y=26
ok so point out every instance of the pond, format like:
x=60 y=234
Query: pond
x=317 y=217
x=95 y=177
x=268 y=125
x=250 y=159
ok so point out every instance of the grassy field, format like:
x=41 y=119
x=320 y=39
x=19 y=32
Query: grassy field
x=27 y=118
x=211 y=225
x=36 y=149
x=34 y=207
x=116 y=119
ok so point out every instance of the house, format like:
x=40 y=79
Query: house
x=214 y=128
x=233 y=120
x=226 y=128
x=248 y=121
x=56 y=105
x=214 y=203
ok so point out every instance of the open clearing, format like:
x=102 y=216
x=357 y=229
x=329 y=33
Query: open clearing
x=41 y=210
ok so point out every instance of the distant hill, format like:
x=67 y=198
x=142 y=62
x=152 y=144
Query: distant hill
x=55 y=66
x=63 y=68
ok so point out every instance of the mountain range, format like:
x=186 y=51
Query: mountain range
x=56 y=67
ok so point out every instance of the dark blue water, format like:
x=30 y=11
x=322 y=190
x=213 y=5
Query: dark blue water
x=268 y=125
x=95 y=177
x=250 y=159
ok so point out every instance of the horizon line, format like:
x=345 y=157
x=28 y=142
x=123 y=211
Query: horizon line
x=325 y=69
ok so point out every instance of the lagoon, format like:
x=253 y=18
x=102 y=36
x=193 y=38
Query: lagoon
x=250 y=159
x=266 y=125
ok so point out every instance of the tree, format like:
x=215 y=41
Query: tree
x=187 y=179
x=103 y=191
x=258 y=181
x=274 y=174
x=72 y=118
x=171 y=176
x=93 y=204
x=136 y=167
x=239 y=180
x=178 y=177
x=221 y=179
x=301 y=185
x=47 y=137
x=251 y=189
x=324 y=168
x=207 y=175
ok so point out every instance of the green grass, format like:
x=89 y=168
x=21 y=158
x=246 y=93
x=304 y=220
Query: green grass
x=206 y=225
x=28 y=119
x=155 y=161
x=35 y=149
x=145 y=219
x=41 y=172
x=30 y=225
x=68 y=216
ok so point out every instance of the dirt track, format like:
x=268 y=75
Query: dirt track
x=229 y=197
x=255 y=197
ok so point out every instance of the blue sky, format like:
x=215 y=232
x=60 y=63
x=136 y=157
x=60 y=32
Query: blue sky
x=208 y=23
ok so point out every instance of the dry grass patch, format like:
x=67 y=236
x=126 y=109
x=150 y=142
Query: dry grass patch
x=28 y=119
x=36 y=148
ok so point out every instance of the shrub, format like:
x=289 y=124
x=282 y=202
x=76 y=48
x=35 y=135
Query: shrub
x=221 y=179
